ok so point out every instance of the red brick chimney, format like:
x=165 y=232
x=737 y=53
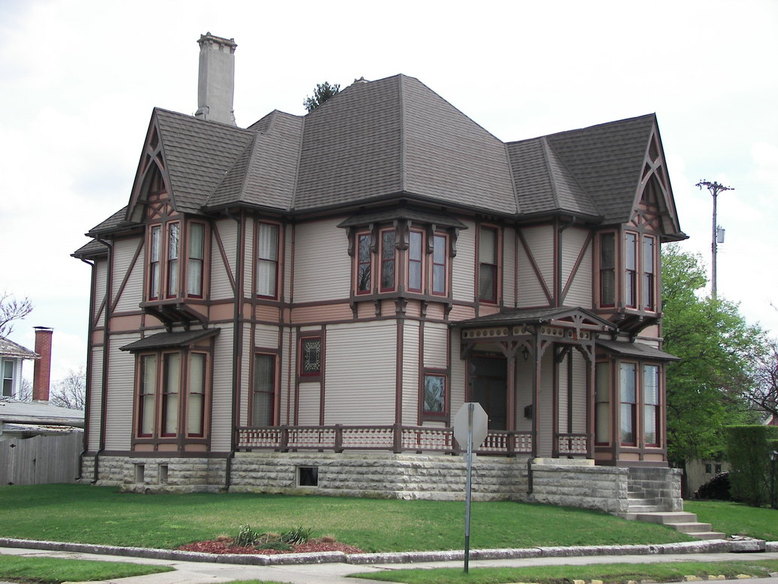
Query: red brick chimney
x=41 y=375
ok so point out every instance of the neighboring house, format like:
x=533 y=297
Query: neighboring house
x=307 y=302
x=12 y=356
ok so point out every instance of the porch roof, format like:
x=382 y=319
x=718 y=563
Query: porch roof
x=636 y=349
x=165 y=340
x=519 y=316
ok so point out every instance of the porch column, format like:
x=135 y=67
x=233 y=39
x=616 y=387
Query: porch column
x=590 y=411
x=510 y=382
x=536 y=392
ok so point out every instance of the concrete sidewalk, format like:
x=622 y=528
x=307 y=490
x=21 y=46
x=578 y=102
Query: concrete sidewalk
x=322 y=569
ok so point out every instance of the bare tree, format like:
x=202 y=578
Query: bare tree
x=764 y=393
x=12 y=309
x=25 y=390
x=70 y=392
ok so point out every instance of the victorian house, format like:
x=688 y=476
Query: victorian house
x=307 y=302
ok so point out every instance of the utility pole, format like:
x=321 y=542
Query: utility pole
x=714 y=188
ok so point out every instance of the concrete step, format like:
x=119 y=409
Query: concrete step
x=692 y=527
x=707 y=535
x=667 y=517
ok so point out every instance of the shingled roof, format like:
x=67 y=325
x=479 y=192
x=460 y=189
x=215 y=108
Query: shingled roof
x=395 y=137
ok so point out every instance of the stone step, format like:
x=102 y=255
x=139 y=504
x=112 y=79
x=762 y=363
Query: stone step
x=691 y=527
x=707 y=535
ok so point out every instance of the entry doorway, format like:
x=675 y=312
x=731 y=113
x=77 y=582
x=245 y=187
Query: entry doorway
x=488 y=387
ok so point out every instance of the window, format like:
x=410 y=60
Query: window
x=195 y=406
x=388 y=255
x=415 y=261
x=487 y=264
x=194 y=268
x=263 y=396
x=651 y=405
x=434 y=404
x=630 y=270
x=310 y=356
x=628 y=393
x=170 y=404
x=602 y=405
x=154 y=262
x=148 y=392
x=172 y=259
x=364 y=264
x=649 y=269
x=267 y=260
x=171 y=380
x=8 y=377
x=607 y=269
x=172 y=248
x=439 y=264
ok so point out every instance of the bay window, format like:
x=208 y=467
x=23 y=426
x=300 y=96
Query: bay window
x=7 y=373
x=176 y=260
x=628 y=399
x=636 y=287
x=388 y=256
x=487 y=264
x=415 y=261
x=364 y=264
x=651 y=405
x=267 y=260
x=439 y=256
x=172 y=259
x=196 y=260
x=171 y=394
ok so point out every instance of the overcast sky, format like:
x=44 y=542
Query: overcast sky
x=79 y=79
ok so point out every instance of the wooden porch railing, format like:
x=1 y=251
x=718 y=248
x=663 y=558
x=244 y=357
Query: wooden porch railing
x=394 y=438
x=573 y=444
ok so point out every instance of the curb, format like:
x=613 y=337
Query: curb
x=693 y=547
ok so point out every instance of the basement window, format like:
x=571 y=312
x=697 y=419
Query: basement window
x=163 y=474
x=307 y=476
x=140 y=472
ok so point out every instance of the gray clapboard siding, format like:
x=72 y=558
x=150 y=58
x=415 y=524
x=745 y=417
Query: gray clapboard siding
x=580 y=291
x=411 y=372
x=322 y=269
x=435 y=345
x=509 y=268
x=101 y=279
x=226 y=230
x=221 y=391
x=95 y=399
x=129 y=297
x=463 y=265
x=361 y=360
x=121 y=376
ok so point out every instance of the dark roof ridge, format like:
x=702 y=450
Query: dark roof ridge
x=293 y=202
x=403 y=149
x=570 y=177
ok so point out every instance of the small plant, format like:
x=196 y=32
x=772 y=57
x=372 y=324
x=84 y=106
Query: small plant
x=247 y=537
x=296 y=536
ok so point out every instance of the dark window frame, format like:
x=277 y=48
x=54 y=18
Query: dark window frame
x=268 y=260
x=493 y=269
x=303 y=341
x=443 y=413
x=273 y=393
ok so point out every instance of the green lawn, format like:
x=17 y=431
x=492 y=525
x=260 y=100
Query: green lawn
x=608 y=573
x=83 y=513
x=736 y=518
x=54 y=570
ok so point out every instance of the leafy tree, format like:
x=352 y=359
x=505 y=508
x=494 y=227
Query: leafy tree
x=12 y=309
x=321 y=93
x=70 y=392
x=718 y=349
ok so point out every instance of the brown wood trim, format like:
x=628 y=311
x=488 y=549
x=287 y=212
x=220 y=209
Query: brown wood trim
x=223 y=255
x=122 y=286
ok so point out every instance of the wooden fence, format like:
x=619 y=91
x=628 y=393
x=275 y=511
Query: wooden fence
x=40 y=459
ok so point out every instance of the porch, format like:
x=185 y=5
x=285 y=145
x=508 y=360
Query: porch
x=399 y=439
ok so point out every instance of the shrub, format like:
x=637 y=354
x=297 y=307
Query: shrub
x=749 y=450
x=717 y=488
x=247 y=537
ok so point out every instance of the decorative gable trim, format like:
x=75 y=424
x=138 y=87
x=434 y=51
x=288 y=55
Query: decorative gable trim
x=152 y=177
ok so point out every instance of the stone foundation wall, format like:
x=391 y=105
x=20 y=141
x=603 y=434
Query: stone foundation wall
x=603 y=488
x=402 y=476
x=157 y=475
x=661 y=484
x=575 y=483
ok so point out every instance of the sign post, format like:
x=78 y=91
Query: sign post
x=470 y=429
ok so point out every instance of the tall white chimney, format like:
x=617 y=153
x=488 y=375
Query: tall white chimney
x=216 y=83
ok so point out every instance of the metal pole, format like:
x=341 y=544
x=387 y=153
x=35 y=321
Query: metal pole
x=714 y=188
x=469 y=483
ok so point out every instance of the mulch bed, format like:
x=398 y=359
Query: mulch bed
x=224 y=546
